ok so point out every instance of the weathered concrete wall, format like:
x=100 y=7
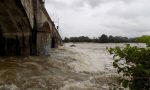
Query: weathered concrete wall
x=44 y=29
x=14 y=29
x=43 y=43
x=28 y=7
x=26 y=28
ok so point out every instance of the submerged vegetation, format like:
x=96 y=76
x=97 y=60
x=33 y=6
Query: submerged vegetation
x=133 y=64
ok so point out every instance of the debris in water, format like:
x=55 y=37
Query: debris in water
x=72 y=45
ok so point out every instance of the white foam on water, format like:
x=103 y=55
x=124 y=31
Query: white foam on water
x=9 y=87
x=93 y=57
x=85 y=67
x=90 y=57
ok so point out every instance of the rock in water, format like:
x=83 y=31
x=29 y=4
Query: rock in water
x=72 y=45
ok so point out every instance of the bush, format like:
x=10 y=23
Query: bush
x=133 y=64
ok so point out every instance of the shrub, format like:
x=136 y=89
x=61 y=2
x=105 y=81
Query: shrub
x=133 y=64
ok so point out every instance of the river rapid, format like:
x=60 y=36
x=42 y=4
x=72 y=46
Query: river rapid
x=87 y=66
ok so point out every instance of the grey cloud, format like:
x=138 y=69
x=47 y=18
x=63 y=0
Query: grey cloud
x=133 y=10
x=128 y=26
x=80 y=3
x=133 y=17
x=116 y=17
x=57 y=4
x=96 y=3
x=92 y=3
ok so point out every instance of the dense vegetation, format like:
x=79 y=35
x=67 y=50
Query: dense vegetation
x=144 y=39
x=133 y=64
x=102 y=39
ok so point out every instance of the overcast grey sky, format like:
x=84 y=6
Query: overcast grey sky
x=94 y=17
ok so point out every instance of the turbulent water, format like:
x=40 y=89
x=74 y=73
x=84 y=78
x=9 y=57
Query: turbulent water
x=87 y=66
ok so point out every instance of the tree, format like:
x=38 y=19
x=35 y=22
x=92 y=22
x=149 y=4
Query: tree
x=103 y=38
x=66 y=40
x=111 y=39
x=144 y=39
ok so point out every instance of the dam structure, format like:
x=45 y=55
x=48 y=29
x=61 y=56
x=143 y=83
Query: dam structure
x=26 y=28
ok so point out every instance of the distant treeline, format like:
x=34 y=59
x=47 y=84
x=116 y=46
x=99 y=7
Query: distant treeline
x=102 y=39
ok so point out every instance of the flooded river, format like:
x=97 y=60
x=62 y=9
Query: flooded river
x=87 y=66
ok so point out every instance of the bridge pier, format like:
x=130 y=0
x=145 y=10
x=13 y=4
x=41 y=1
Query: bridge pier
x=14 y=46
x=43 y=43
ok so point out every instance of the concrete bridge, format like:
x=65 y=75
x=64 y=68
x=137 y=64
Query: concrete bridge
x=26 y=28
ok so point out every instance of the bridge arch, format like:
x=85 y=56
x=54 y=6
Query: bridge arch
x=53 y=42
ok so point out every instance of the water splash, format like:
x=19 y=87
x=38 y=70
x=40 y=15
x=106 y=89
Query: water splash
x=84 y=67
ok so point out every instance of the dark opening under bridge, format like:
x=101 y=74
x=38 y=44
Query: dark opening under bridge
x=26 y=28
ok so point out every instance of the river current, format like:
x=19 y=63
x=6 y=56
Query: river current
x=86 y=66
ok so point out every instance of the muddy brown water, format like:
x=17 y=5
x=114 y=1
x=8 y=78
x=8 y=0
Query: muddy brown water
x=87 y=66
